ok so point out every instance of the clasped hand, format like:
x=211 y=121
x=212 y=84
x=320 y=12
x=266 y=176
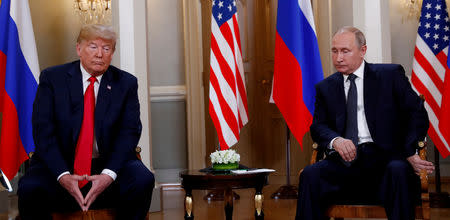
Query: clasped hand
x=99 y=184
x=345 y=148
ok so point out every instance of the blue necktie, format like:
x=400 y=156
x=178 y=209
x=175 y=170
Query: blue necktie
x=351 y=128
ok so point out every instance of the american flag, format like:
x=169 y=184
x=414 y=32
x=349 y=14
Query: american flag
x=430 y=75
x=227 y=94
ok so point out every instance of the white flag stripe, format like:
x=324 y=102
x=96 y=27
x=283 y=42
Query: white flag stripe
x=434 y=123
x=427 y=82
x=429 y=55
x=224 y=47
x=227 y=133
x=244 y=117
x=306 y=8
x=20 y=13
x=239 y=74
x=225 y=89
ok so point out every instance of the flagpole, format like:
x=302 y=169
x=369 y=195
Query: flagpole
x=438 y=199
x=287 y=191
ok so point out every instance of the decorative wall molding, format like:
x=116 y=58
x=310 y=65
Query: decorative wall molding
x=167 y=93
x=195 y=108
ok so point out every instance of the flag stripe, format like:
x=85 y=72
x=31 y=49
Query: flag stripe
x=226 y=111
x=432 y=59
x=12 y=152
x=20 y=13
x=18 y=86
x=302 y=43
x=428 y=83
x=418 y=85
x=432 y=75
x=223 y=89
x=297 y=65
x=227 y=93
x=222 y=127
x=430 y=69
x=226 y=70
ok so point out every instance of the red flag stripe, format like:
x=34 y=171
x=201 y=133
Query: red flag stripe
x=226 y=70
x=424 y=91
x=237 y=35
x=426 y=80
x=432 y=59
x=217 y=123
x=442 y=57
x=226 y=133
x=443 y=149
x=227 y=34
x=242 y=101
x=225 y=90
x=429 y=69
x=227 y=112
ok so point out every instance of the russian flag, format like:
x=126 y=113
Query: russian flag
x=297 y=65
x=18 y=83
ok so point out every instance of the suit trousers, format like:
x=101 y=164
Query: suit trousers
x=130 y=194
x=373 y=178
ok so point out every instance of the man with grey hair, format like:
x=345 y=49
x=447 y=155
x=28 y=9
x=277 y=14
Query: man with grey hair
x=368 y=121
x=86 y=126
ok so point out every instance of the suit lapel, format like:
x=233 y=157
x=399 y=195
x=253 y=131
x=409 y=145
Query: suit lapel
x=76 y=96
x=370 y=96
x=103 y=100
x=338 y=90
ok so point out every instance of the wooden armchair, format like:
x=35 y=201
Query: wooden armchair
x=377 y=211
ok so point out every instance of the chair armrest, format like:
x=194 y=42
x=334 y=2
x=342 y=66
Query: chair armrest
x=423 y=174
x=315 y=152
x=138 y=152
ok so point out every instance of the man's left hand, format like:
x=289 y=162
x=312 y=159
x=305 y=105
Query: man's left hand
x=99 y=184
x=419 y=164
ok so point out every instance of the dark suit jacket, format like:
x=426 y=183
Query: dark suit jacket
x=58 y=114
x=395 y=114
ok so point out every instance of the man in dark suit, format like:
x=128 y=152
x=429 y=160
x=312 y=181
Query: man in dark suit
x=368 y=120
x=86 y=126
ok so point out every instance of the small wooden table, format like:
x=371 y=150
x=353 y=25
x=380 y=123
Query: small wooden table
x=194 y=179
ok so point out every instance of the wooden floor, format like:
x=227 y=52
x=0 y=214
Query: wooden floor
x=243 y=208
x=173 y=207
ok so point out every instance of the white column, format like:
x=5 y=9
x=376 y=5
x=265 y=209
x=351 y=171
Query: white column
x=129 y=20
x=372 y=17
x=132 y=57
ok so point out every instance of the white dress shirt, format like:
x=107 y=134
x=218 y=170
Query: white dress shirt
x=95 y=153
x=363 y=129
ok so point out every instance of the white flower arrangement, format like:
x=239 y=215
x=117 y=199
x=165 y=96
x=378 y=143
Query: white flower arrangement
x=225 y=157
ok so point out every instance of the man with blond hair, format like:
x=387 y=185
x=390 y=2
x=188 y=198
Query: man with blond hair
x=368 y=120
x=86 y=126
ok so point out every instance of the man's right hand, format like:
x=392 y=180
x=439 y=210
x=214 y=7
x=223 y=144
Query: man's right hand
x=70 y=183
x=345 y=148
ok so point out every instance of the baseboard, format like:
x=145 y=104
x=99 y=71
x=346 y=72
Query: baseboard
x=156 y=199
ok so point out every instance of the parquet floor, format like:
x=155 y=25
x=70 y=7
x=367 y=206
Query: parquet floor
x=243 y=208
x=173 y=207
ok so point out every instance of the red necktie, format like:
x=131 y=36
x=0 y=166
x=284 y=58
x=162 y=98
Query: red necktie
x=83 y=152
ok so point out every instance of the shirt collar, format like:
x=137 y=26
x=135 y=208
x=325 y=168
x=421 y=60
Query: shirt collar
x=86 y=75
x=359 y=72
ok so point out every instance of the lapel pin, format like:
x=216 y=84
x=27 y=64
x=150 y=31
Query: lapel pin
x=108 y=87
